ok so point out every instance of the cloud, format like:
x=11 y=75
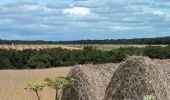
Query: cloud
x=84 y=19
x=77 y=11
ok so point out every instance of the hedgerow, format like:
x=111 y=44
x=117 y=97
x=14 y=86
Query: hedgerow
x=32 y=59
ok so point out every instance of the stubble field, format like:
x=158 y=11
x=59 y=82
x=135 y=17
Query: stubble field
x=12 y=83
x=70 y=46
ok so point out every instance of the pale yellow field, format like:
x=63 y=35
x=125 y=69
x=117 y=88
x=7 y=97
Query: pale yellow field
x=70 y=46
x=111 y=46
x=37 y=47
x=12 y=83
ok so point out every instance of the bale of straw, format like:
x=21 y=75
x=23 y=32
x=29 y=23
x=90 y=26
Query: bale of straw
x=136 y=78
x=165 y=65
x=90 y=82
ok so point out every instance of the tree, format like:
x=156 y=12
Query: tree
x=5 y=63
x=39 y=61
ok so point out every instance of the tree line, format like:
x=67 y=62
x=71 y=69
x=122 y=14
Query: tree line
x=158 y=40
x=32 y=59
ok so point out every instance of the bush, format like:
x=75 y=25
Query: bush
x=62 y=57
x=39 y=61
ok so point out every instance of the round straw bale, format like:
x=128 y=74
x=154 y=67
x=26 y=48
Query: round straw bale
x=136 y=78
x=90 y=82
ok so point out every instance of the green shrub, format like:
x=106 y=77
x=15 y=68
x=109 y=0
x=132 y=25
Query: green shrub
x=62 y=57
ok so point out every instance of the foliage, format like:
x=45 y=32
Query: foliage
x=58 y=83
x=158 y=40
x=39 y=61
x=35 y=87
x=31 y=59
x=149 y=97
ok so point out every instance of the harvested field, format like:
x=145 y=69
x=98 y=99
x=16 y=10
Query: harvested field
x=71 y=47
x=110 y=46
x=36 y=47
x=12 y=83
x=92 y=81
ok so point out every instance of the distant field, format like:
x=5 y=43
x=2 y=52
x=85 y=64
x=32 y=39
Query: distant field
x=71 y=47
x=110 y=46
x=37 y=47
x=12 y=83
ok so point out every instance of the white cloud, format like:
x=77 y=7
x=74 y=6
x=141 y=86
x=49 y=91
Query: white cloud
x=159 y=13
x=77 y=11
x=74 y=19
x=162 y=14
x=31 y=7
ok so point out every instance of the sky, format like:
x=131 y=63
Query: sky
x=83 y=19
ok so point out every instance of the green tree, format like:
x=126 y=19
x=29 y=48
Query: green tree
x=5 y=63
x=39 y=61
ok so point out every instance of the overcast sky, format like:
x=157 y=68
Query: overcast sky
x=83 y=19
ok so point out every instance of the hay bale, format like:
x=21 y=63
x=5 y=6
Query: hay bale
x=136 y=78
x=165 y=65
x=91 y=82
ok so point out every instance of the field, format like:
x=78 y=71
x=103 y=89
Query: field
x=12 y=83
x=71 y=47
x=110 y=46
x=37 y=47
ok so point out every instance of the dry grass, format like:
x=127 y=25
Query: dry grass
x=12 y=83
x=70 y=47
x=37 y=47
x=111 y=46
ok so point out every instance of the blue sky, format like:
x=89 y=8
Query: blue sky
x=83 y=19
